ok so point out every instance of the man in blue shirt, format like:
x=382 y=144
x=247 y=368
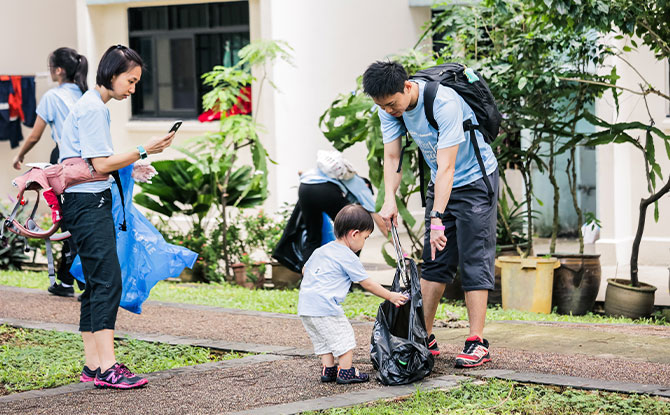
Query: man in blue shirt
x=460 y=217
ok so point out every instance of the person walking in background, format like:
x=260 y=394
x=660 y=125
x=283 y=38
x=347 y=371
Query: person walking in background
x=69 y=69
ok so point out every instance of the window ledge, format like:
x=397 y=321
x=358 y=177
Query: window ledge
x=191 y=126
x=665 y=124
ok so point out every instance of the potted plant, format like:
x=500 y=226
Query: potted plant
x=577 y=280
x=643 y=21
x=519 y=55
x=252 y=238
x=181 y=190
x=216 y=154
x=211 y=178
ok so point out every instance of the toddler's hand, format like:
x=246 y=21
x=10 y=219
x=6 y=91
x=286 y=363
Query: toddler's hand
x=398 y=299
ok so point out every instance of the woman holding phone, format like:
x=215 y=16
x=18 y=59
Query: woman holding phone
x=87 y=212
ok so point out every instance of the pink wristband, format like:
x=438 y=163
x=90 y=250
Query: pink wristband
x=437 y=227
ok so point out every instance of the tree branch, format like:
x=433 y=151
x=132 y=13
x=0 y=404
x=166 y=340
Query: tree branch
x=647 y=91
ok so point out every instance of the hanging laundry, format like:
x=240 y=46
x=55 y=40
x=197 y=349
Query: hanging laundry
x=17 y=104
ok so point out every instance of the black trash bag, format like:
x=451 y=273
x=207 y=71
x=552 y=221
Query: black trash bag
x=399 y=344
x=290 y=248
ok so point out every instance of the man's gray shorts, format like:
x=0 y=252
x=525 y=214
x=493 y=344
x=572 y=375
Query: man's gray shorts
x=470 y=222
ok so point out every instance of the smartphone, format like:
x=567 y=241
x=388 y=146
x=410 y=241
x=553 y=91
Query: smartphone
x=175 y=127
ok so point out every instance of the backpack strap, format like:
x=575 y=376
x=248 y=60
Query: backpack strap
x=468 y=126
x=117 y=179
x=429 y=94
x=421 y=162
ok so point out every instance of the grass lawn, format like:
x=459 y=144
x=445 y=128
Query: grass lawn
x=358 y=304
x=36 y=359
x=502 y=397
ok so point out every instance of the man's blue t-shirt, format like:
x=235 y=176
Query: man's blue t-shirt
x=55 y=106
x=450 y=111
x=326 y=280
x=86 y=134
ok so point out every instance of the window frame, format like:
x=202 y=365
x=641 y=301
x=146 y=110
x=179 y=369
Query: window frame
x=168 y=34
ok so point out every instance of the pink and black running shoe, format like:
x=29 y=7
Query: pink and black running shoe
x=119 y=377
x=87 y=375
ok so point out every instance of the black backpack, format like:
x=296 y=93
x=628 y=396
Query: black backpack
x=470 y=85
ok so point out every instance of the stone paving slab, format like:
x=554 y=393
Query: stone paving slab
x=594 y=340
x=355 y=398
x=164 y=374
x=169 y=339
x=575 y=382
x=292 y=379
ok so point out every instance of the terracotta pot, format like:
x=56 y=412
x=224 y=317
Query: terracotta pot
x=622 y=299
x=576 y=283
x=241 y=278
x=284 y=278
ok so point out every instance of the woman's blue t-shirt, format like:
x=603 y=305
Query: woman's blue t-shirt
x=356 y=185
x=55 y=106
x=86 y=134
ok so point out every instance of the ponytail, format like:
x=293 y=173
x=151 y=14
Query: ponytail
x=74 y=65
x=80 y=73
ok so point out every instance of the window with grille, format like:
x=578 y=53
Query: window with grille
x=178 y=44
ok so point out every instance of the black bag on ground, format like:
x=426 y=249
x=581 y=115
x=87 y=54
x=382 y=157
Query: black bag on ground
x=290 y=248
x=399 y=346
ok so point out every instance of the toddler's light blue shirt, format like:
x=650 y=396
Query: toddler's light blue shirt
x=326 y=280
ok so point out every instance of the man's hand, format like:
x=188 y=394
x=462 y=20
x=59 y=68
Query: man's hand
x=438 y=241
x=389 y=214
x=398 y=299
x=18 y=159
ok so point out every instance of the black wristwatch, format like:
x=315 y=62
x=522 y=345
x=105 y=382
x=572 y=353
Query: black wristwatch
x=436 y=214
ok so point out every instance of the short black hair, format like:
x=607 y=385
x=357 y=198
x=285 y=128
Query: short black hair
x=382 y=79
x=116 y=60
x=353 y=218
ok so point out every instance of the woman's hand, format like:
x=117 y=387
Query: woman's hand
x=158 y=144
x=18 y=159
x=143 y=173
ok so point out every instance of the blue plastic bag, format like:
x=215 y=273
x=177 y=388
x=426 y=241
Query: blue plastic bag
x=327 y=230
x=144 y=256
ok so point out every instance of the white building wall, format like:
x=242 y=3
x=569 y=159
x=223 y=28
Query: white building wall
x=621 y=174
x=31 y=30
x=333 y=42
